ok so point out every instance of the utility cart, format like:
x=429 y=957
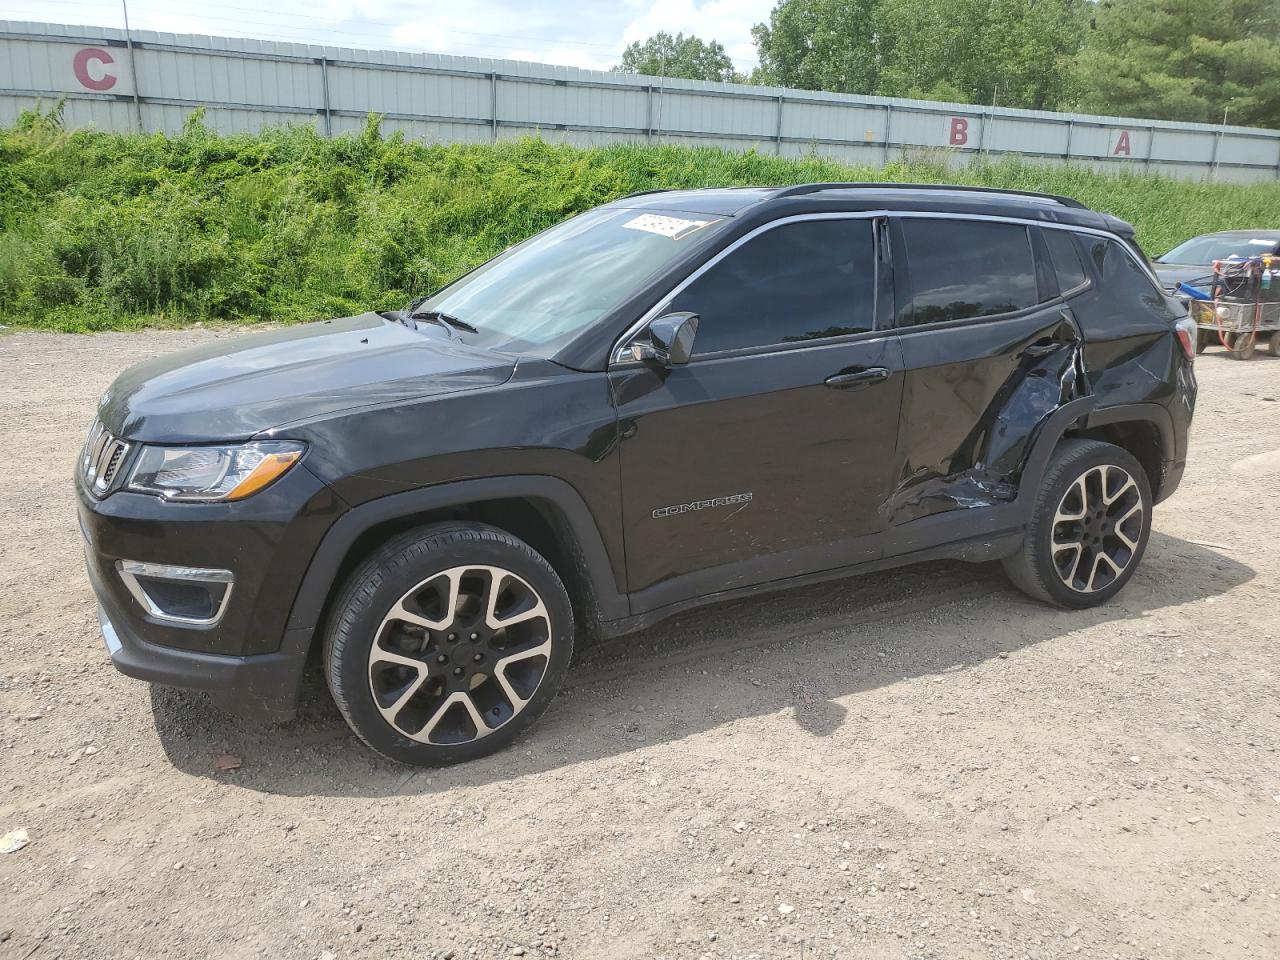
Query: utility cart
x=1241 y=307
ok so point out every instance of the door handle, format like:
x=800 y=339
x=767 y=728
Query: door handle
x=1048 y=345
x=857 y=378
x=1043 y=348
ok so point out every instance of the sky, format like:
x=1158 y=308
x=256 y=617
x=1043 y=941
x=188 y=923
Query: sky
x=588 y=33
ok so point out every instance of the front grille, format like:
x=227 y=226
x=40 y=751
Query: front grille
x=103 y=456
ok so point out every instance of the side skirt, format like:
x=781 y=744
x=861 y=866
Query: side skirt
x=977 y=549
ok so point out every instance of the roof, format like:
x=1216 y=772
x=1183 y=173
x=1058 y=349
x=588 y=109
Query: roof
x=732 y=201
x=1258 y=234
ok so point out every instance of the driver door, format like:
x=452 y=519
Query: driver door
x=769 y=454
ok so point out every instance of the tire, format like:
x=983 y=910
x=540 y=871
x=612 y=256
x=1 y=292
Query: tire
x=473 y=632
x=1203 y=339
x=1241 y=345
x=1073 y=484
x=1273 y=347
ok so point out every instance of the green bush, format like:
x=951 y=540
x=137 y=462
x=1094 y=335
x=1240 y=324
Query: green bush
x=108 y=231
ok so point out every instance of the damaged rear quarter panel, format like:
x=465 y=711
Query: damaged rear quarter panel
x=1131 y=351
x=1130 y=348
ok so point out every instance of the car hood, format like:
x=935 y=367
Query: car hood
x=1171 y=274
x=235 y=389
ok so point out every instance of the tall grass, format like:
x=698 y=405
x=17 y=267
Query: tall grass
x=110 y=231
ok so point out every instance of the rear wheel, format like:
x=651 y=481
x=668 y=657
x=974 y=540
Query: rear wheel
x=1274 y=346
x=1088 y=529
x=447 y=643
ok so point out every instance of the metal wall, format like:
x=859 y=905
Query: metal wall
x=247 y=84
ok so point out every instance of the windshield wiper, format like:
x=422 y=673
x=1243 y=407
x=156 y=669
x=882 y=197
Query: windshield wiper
x=446 y=320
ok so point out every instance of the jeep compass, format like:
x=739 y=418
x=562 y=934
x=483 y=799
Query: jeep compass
x=676 y=398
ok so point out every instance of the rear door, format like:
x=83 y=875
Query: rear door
x=769 y=454
x=988 y=348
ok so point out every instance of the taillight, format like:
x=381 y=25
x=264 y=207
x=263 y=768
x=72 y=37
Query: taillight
x=1187 y=334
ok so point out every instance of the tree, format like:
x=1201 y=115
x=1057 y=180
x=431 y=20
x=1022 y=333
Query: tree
x=1012 y=52
x=663 y=55
x=1182 y=60
x=819 y=45
x=1018 y=51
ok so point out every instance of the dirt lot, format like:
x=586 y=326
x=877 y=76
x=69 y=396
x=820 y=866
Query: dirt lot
x=915 y=764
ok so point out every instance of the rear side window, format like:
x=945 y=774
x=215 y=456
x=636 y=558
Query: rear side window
x=961 y=269
x=1066 y=260
x=801 y=281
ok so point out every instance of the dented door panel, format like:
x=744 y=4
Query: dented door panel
x=974 y=398
x=736 y=465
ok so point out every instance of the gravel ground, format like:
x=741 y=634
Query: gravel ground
x=916 y=764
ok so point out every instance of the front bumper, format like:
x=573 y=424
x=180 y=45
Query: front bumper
x=244 y=655
x=265 y=684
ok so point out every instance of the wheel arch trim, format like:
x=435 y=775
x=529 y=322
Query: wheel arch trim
x=1152 y=413
x=1051 y=431
x=320 y=579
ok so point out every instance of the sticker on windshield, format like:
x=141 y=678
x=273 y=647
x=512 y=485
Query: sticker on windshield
x=673 y=227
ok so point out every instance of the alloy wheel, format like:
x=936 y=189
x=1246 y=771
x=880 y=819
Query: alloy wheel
x=460 y=654
x=1097 y=528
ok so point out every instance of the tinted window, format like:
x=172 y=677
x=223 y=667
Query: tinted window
x=966 y=268
x=1066 y=259
x=801 y=281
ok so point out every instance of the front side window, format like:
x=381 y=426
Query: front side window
x=541 y=293
x=800 y=281
x=962 y=269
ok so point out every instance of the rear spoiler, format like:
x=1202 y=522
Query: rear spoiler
x=1124 y=230
x=1119 y=227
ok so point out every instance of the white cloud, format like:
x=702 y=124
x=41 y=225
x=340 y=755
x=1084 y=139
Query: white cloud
x=505 y=29
x=728 y=21
x=587 y=33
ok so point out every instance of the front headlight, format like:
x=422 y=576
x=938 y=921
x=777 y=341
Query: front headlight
x=212 y=473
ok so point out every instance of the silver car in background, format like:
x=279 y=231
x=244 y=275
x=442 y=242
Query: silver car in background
x=1192 y=259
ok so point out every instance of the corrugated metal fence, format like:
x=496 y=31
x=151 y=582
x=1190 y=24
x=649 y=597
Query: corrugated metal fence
x=152 y=81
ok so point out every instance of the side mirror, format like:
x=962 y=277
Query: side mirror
x=670 y=340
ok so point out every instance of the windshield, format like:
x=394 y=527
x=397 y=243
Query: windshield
x=1202 y=251
x=542 y=292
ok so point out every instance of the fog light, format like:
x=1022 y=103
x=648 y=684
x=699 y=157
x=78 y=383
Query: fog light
x=192 y=595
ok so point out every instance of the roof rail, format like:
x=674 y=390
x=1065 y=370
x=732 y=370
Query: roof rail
x=642 y=193
x=807 y=188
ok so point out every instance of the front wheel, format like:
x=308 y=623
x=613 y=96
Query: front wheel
x=447 y=643
x=1088 y=529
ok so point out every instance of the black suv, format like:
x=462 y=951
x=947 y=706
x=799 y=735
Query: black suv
x=676 y=398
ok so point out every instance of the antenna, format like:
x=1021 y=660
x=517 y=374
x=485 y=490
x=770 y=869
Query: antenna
x=133 y=65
